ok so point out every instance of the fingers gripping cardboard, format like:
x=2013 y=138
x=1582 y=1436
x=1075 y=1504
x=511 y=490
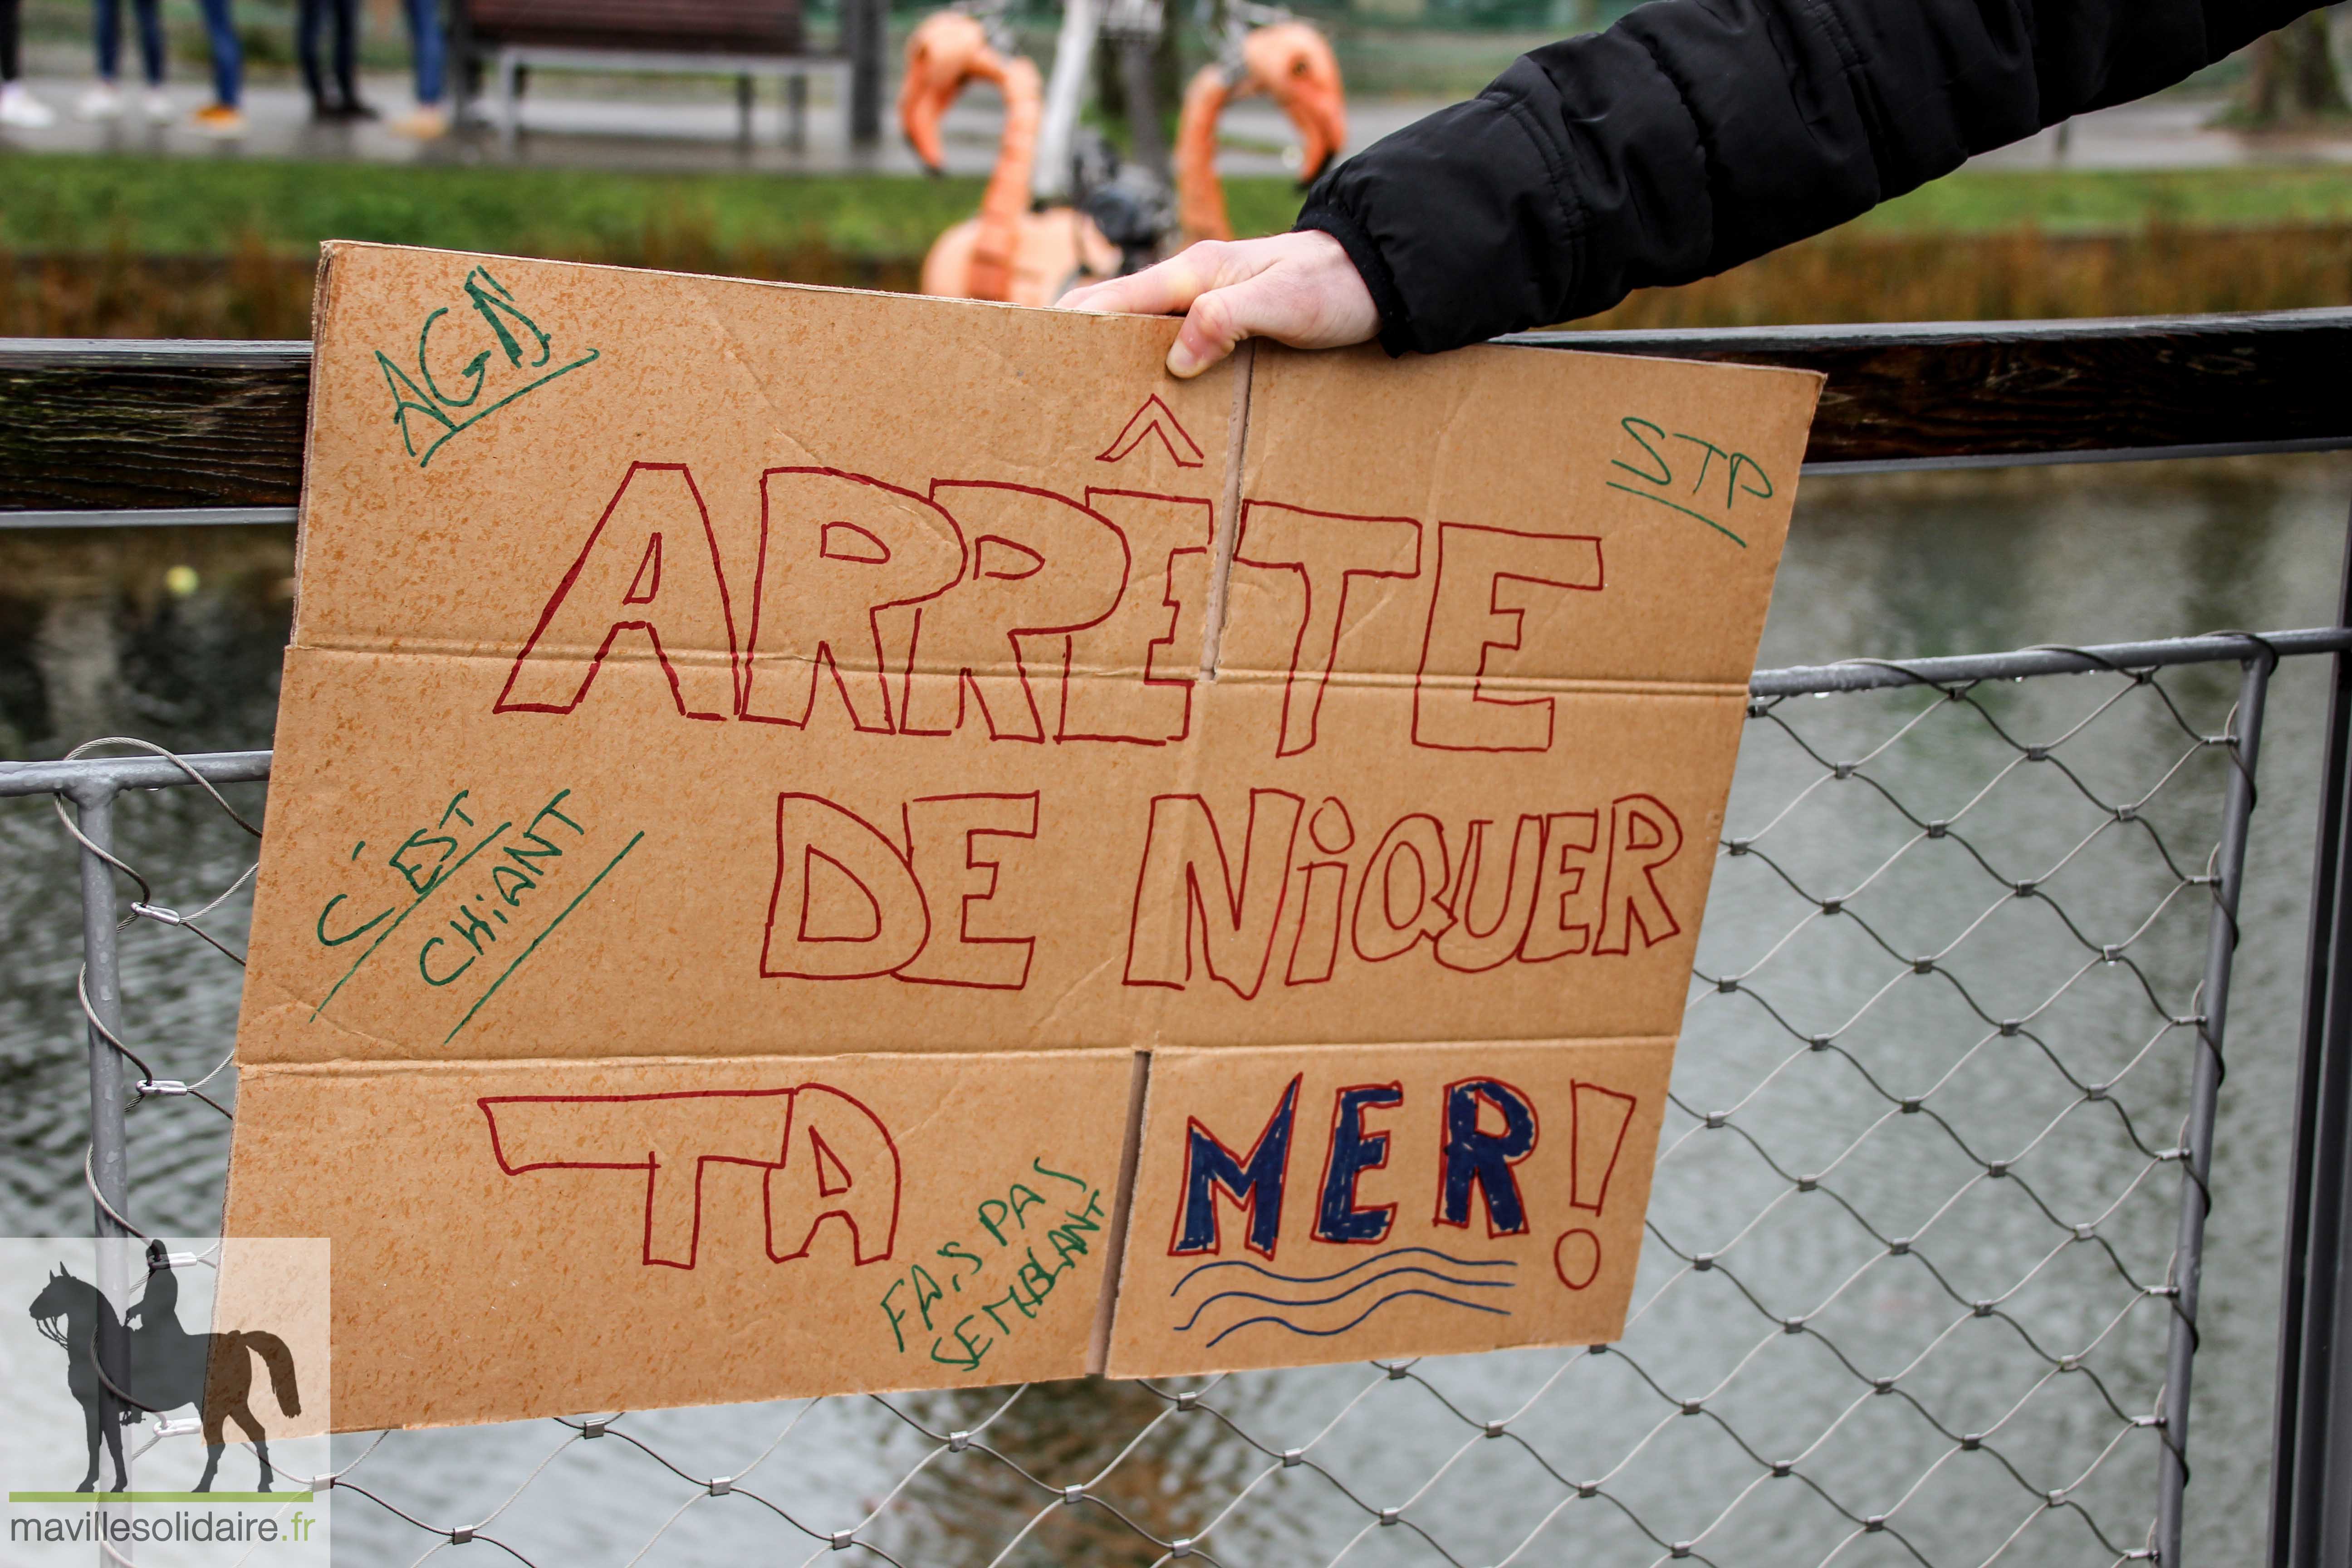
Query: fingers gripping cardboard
x=748 y=751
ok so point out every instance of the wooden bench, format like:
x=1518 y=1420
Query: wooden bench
x=742 y=38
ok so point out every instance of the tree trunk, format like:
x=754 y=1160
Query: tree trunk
x=2293 y=77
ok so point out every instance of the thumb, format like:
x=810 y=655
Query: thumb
x=1220 y=318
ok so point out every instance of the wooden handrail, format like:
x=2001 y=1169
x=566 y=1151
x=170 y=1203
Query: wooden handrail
x=1968 y=394
x=133 y=423
x=117 y=425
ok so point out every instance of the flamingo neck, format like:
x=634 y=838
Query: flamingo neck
x=1200 y=195
x=1006 y=201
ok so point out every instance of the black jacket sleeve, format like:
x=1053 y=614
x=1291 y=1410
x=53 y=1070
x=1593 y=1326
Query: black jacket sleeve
x=1696 y=134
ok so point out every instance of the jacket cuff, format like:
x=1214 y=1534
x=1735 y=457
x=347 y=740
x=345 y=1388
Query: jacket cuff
x=1322 y=215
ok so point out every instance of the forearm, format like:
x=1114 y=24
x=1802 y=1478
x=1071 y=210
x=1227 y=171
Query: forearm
x=1696 y=134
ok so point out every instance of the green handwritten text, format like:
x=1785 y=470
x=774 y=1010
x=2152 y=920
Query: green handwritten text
x=433 y=405
x=1707 y=466
x=980 y=1296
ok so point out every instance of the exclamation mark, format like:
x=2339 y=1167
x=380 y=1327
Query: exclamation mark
x=1601 y=1117
x=1597 y=1138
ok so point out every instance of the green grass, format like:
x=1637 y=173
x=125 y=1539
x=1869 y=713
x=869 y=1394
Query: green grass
x=189 y=206
x=204 y=207
x=2102 y=202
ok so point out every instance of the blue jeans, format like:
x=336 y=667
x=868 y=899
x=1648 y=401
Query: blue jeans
x=431 y=49
x=229 y=58
x=109 y=39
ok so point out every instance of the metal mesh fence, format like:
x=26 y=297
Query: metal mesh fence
x=1919 y=1283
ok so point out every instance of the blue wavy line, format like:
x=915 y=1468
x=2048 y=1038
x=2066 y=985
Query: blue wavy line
x=1377 y=1258
x=1327 y=1334
x=1360 y=1285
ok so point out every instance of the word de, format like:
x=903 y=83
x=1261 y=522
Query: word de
x=825 y=1154
x=985 y=604
x=1486 y=1128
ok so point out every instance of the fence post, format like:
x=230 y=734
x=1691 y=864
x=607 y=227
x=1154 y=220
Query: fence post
x=108 y=1143
x=2196 y=1134
x=2311 y=1501
x=865 y=37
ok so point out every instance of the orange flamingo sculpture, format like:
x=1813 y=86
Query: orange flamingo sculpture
x=1007 y=252
x=1291 y=63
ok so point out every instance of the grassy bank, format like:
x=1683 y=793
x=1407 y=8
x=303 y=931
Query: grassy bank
x=1856 y=274
x=113 y=246
x=256 y=292
x=204 y=207
x=200 y=208
x=2109 y=201
x=1848 y=277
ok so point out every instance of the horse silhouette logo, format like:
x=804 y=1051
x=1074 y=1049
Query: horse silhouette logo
x=170 y=1367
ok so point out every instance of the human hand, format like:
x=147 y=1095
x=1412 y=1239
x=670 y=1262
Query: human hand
x=1298 y=288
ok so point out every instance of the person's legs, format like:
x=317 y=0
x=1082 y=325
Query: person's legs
x=109 y=18
x=18 y=106
x=346 y=52
x=309 y=17
x=103 y=98
x=425 y=30
x=428 y=119
x=149 y=14
x=222 y=116
x=228 y=57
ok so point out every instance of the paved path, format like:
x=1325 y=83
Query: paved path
x=2162 y=133
x=666 y=125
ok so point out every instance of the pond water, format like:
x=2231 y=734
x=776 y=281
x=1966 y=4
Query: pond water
x=175 y=637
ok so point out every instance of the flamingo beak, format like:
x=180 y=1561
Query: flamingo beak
x=922 y=103
x=1321 y=113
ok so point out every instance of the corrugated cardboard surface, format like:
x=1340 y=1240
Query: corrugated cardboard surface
x=695 y=677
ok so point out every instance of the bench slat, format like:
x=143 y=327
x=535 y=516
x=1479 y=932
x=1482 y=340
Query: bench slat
x=680 y=27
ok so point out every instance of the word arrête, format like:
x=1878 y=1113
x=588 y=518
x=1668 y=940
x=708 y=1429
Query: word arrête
x=924 y=613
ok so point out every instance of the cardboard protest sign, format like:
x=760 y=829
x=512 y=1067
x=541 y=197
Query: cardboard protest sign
x=748 y=751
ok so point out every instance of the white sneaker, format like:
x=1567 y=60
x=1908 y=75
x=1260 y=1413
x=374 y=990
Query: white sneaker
x=156 y=104
x=103 y=100
x=21 y=109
